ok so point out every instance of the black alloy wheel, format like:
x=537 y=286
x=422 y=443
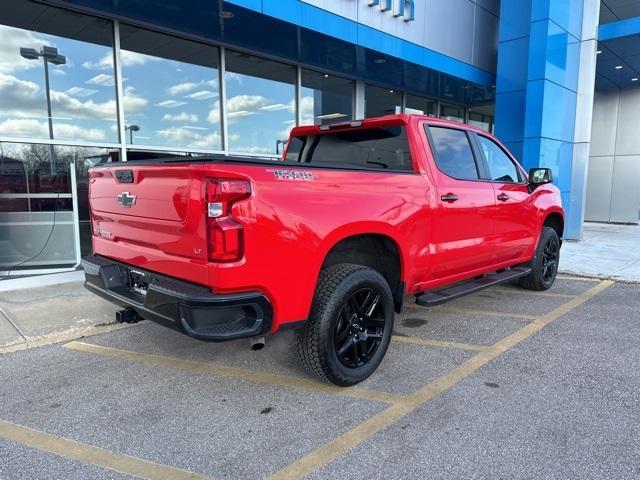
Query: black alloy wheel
x=349 y=327
x=545 y=262
x=550 y=258
x=360 y=328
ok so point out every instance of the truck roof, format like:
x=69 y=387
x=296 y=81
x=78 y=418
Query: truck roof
x=380 y=122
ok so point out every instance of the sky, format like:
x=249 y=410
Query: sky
x=175 y=104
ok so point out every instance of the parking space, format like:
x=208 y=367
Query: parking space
x=485 y=386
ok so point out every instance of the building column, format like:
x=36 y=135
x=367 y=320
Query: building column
x=544 y=92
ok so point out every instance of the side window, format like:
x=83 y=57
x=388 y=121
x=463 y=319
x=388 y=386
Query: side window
x=296 y=144
x=453 y=153
x=501 y=168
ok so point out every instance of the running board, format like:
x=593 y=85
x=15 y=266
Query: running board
x=446 y=294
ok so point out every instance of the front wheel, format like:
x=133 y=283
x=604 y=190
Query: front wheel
x=349 y=329
x=544 y=264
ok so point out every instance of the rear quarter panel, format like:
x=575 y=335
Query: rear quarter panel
x=290 y=225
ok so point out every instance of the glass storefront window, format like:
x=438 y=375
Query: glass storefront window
x=36 y=205
x=171 y=91
x=482 y=117
x=260 y=106
x=420 y=105
x=381 y=101
x=72 y=53
x=452 y=112
x=325 y=98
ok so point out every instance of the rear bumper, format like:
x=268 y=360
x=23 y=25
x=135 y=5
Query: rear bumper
x=182 y=306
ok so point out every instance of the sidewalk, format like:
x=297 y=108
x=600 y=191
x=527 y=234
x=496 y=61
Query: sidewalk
x=67 y=310
x=606 y=251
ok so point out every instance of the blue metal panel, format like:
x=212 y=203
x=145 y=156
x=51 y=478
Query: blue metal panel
x=619 y=29
x=510 y=109
x=542 y=127
x=555 y=55
x=565 y=13
x=512 y=64
x=550 y=111
x=553 y=154
x=515 y=17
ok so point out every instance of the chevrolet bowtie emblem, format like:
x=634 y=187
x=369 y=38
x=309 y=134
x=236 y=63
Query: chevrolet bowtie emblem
x=126 y=200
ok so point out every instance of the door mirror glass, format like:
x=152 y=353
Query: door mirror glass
x=540 y=176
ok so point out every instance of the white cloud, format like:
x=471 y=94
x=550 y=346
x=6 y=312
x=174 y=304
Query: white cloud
x=12 y=40
x=23 y=98
x=130 y=59
x=256 y=149
x=133 y=104
x=239 y=106
x=170 y=104
x=102 y=79
x=81 y=92
x=127 y=59
x=202 y=95
x=234 y=77
x=180 y=117
x=26 y=127
x=181 y=88
x=246 y=103
x=275 y=107
x=190 y=138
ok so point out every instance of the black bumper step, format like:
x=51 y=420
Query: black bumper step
x=182 y=306
x=446 y=294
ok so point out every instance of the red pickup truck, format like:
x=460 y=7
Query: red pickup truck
x=327 y=241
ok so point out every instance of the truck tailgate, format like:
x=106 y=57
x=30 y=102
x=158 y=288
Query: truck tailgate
x=151 y=216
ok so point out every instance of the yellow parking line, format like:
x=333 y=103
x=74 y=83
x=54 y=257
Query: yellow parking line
x=531 y=293
x=252 y=376
x=101 y=457
x=64 y=336
x=437 y=343
x=581 y=279
x=484 y=313
x=355 y=436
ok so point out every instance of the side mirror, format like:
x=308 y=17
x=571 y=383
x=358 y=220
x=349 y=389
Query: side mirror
x=540 y=176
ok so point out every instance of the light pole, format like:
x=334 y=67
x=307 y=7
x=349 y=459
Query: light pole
x=131 y=128
x=48 y=55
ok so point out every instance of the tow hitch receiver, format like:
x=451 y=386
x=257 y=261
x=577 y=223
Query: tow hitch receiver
x=127 y=315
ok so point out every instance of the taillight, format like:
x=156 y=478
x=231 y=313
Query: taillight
x=225 y=235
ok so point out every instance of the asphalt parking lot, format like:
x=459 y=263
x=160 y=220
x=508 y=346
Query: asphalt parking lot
x=505 y=383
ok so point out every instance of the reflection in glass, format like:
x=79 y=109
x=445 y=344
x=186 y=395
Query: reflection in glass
x=420 y=105
x=36 y=205
x=260 y=104
x=37 y=49
x=171 y=91
x=325 y=98
x=452 y=112
x=482 y=117
x=381 y=101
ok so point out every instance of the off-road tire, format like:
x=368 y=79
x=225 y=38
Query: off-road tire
x=537 y=280
x=315 y=341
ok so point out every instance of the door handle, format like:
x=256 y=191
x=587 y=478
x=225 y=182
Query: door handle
x=449 y=197
x=503 y=197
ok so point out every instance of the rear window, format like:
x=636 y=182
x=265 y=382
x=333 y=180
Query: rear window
x=370 y=148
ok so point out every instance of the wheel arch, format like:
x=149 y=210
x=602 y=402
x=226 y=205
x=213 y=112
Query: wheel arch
x=372 y=248
x=555 y=220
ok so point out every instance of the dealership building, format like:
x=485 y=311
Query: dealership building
x=89 y=81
